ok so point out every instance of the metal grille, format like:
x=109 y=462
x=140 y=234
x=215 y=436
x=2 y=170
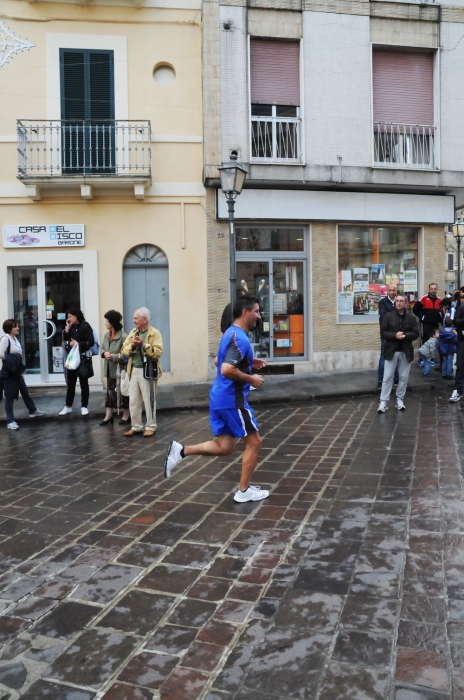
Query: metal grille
x=404 y=145
x=275 y=139
x=83 y=147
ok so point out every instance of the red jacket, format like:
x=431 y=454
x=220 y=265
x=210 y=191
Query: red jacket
x=427 y=309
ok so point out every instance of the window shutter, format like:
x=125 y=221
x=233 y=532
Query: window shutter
x=275 y=72
x=72 y=85
x=403 y=87
x=101 y=85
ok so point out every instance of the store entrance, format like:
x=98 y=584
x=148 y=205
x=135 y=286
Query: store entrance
x=41 y=298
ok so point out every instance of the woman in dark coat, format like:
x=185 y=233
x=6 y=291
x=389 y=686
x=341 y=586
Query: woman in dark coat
x=77 y=331
x=110 y=352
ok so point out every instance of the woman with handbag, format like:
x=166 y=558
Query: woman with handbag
x=113 y=360
x=12 y=369
x=78 y=332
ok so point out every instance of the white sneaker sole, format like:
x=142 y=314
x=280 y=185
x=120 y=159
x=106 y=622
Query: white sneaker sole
x=400 y=408
x=167 y=469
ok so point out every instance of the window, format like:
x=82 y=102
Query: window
x=404 y=131
x=450 y=261
x=370 y=258
x=87 y=111
x=275 y=100
x=271 y=264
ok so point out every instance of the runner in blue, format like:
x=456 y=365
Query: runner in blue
x=230 y=414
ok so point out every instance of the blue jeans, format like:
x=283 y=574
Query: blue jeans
x=381 y=368
x=30 y=405
x=447 y=365
x=426 y=364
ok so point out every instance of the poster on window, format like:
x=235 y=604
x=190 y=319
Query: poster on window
x=410 y=281
x=378 y=273
x=345 y=303
x=361 y=304
x=361 y=279
x=373 y=299
x=346 y=283
x=57 y=359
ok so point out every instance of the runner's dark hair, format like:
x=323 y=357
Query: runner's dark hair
x=246 y=302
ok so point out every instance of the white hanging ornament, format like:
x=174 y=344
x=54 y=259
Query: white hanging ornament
x=11 y=44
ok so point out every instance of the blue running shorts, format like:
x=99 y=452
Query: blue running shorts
x=237 y=422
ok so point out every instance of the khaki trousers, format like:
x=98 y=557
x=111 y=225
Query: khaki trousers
x=139 y=392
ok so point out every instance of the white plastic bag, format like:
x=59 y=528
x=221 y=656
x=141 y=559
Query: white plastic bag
x=74 y=358
x=124 y=383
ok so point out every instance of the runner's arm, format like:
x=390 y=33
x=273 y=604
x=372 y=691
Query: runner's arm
x=234 y=374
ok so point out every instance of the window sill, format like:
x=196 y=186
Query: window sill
x=395 y=166
x=277 y=162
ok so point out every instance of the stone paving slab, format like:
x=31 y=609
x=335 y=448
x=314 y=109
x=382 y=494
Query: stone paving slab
x=347 y=583
x=276 y=389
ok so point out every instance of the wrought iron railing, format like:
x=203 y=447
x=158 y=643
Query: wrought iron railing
x=57 y=148
x=275 y=139
x=404 y=145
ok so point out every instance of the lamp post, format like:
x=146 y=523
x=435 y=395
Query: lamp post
x=232 y=176
x=458 y=233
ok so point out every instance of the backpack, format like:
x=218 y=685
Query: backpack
x=95 y=349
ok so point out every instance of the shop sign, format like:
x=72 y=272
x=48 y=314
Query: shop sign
x=43 y=236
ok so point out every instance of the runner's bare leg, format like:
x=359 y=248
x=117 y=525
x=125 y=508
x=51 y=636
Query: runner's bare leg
x=249 y=459
x=222 y=445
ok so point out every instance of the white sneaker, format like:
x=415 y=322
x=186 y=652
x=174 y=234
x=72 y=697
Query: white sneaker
x=455 y=396
x=253 y=493
x=36 y=413
x=84 y=411
x=383 y=406
x=173 y=457
x=400 y=405
x=65 y=410
x=12 y=426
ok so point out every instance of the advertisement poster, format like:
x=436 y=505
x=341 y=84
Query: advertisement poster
x=347 y=284
x=378 y=273
x=57 y=359
x=373 y=299
x=361 y=305
x=43 y=236
x=410 y=280
x=361 y=279
x=345 y=303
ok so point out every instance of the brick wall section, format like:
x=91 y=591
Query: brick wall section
x=234 y=95
x=211 y=88
x=434 y=254
x=218 y=270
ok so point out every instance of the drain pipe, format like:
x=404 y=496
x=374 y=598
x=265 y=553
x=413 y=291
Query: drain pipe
x=340 y=160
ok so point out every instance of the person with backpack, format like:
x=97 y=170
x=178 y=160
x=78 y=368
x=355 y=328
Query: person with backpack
x=12 y=374
x=113 y=360
x=448 y=345
x=79 y=332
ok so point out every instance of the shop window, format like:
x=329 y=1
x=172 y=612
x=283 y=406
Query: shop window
x=275 y=272
x=369 y=259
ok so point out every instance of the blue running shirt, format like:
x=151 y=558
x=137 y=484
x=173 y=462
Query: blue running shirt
x=234 y=349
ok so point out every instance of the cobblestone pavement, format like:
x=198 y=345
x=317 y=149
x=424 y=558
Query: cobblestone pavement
x=346 y=584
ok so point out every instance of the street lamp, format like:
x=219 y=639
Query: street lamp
x=458 y=233
x=232 y=176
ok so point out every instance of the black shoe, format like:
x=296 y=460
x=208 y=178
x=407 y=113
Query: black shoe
x=107 y=422
x=124 y=421
x=379 y=385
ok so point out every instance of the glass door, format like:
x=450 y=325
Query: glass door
x=288 y=309
x=41 y=298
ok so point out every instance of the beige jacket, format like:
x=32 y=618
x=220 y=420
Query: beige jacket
x=153 y=348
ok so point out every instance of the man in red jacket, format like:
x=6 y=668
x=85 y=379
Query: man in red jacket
x=427 y=310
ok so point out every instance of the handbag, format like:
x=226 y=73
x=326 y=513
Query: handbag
x=73 y=359
x=125 y=383
x=85 y=370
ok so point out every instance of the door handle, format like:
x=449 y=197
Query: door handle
x=45 y=320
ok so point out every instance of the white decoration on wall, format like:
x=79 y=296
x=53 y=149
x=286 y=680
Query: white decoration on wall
x=11 y=44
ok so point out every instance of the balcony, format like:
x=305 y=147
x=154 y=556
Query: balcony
x=100 y=154
x=410 y=146
x=275 y=134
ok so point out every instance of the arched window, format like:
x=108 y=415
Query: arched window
x=146 y=283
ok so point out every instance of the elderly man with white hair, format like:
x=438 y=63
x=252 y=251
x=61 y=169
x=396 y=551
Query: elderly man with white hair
x=144 y=347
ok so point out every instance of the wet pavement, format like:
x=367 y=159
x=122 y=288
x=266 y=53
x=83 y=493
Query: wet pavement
x=346 y=584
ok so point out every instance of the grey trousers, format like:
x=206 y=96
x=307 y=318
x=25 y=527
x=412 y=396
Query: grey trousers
x=399 y=361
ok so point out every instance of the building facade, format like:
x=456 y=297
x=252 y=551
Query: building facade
x=345 y=114
x=102 y=203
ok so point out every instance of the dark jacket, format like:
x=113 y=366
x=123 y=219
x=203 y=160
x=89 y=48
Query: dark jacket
x=448 y=341
x=385 y=306
x=83 y=334
x=459 y=321
x=392 y=323
x=427 y=310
